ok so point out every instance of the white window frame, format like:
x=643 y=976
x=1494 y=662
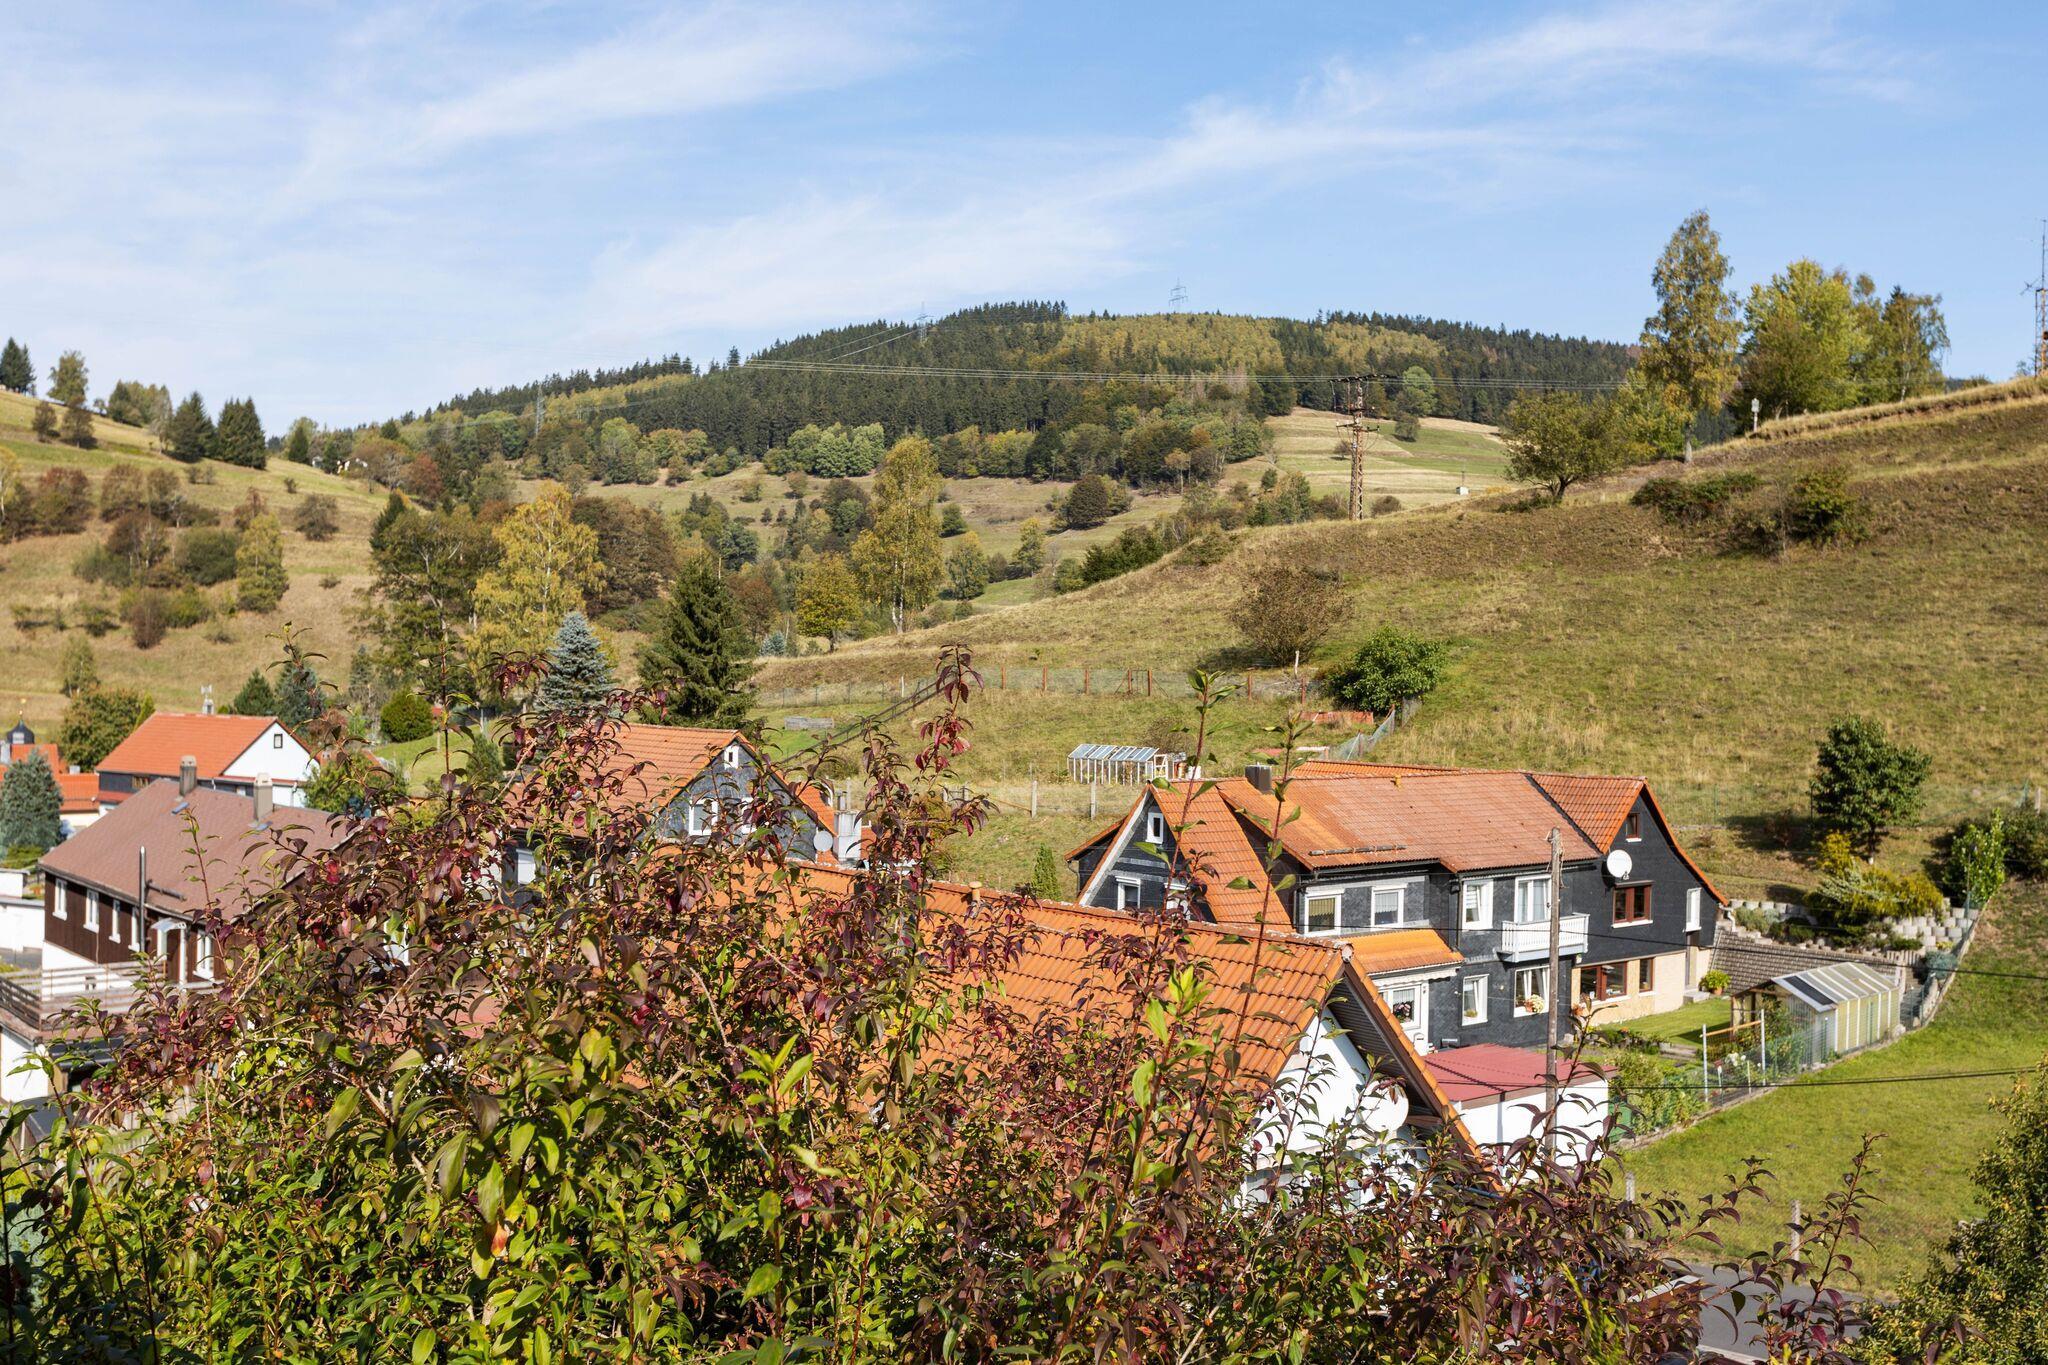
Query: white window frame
x=732 y=756
x=700 y=816
x=57 y=901
x=1476 y=895
x=1155 y=828
x=1541 y=974
x=202 y=954
x=1466 y=1014
x=92 y=912
x=1693 y=897
x=1335 y=897
x=1399 y=890
x=135 y=928
x=1417 y=1028
x=1540 y=885
x=523 y=866
x=1130 y=893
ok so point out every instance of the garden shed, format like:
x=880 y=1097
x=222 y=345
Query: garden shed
x=1848 y=1005
x=1129 y=764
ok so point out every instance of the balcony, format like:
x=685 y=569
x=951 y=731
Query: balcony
x=1523 y=940
x=40 y=997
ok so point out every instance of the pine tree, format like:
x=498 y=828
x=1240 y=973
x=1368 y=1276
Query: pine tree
x=67 y=380
x=260 y=578
x=578 y=673
x=30 y=809
x=700 y=656
x=239 y=438
x=298 y=697
x=298 y=446
x=255 y=698
x=189 y=435
x=17 y=375
x=81 y=671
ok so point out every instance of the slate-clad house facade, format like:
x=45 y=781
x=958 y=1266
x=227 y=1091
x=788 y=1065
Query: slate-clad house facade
x=1437 y=881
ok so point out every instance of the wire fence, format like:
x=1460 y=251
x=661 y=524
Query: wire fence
x=1085 y=680
x=1666 y=1088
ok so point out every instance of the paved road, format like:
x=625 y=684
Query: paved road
x=1726 y=1333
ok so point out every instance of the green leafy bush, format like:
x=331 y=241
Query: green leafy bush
x=1714 y=982
x=206 y=555
x=1822 y=509
x=1855 y=899
x=1688 y=502
x=407 y=717
x=1392 y=666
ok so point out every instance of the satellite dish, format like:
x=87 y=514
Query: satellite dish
x=822 y=841
x=1619 y=863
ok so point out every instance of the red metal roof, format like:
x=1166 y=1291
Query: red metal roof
x=1490 y=1071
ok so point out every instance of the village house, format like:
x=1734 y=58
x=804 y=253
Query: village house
x=1436 y=880
x=133 y=887
x=230 y=753
x=699 y=781
x=77 y=792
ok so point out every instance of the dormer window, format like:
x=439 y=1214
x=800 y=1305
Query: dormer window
x=1155 y=829
x=732 y=755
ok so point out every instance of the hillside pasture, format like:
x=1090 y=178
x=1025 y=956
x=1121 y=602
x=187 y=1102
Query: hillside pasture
x=1420 y=473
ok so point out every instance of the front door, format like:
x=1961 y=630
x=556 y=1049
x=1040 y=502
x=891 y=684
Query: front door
x=1410 y=1005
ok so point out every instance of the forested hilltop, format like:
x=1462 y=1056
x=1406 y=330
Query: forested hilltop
x=754 y=406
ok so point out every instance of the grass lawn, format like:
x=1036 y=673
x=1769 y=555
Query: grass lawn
x=1934 y=1130
x=1421 y=472
x=1683 y=1024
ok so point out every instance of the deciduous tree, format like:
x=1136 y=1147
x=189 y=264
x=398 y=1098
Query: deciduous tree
x=99 y=718
x=260 y=578
x=1803 y=333
x=81 y=671
x=828 y=599
x=1284 y=609
x=68 y=379
x=1557 y=439
x=1864 y=782
x=898 y=559
x=77 y=429
x=1689 y=344
x=547 y=565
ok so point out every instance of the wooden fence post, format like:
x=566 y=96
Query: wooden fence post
x=1148 y=682
x=1084 y=680
x=1091 y=800
x=1041 y=677
x=1034 y=798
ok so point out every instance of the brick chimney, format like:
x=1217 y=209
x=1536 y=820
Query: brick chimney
x=188 y=775
x=263 y=798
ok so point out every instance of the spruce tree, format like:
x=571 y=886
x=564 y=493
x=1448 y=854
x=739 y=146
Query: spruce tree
x=255 y=698
x=578 y=673
x=297 y=696
x=29 y=805
x=189 y=435
x=1048 y=882
x=485 y=767
x=298 y=447
x=17 y=375
x=239 y=437
x=700 y=656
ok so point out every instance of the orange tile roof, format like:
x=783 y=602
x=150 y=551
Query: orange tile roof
x=1463 y=819
x=1596 y=805
x=1279 y=984
x=1399 y=950
x=155 y=747
x=657 y=762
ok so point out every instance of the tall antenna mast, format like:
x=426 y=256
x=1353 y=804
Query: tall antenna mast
x=1178 y=299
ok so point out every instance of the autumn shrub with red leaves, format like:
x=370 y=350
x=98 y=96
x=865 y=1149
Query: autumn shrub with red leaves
x=663 y=1103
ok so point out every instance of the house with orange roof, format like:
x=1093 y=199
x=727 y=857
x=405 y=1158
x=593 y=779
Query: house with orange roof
x=227 y=753
x=78 y=802
x=1437 y=880
x=699 y=783
x=1317 y=1036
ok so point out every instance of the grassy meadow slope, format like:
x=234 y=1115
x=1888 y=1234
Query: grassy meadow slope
x=1593 y=635
x=37 y=572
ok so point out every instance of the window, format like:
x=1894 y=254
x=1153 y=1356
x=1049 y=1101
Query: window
x=701 y=816
x=1477 y=900
x=1389 y=904
x=1532 y=990
x=1155 y=829
x=59 y=893
x=1632 y=904
x=1128 y=892
x=202 y=954
x=1532 y=900
x=1646 y=974
x=134 y=927
x=277 y=740
x=1319 y=911
x=522 y=866
x=92 y=912
x=1692 y=910
x=1632 y=828
x=1473 y=1000
x=1608 y=981
x=1410 y=1006
x=732 y=755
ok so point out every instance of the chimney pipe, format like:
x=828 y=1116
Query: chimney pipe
x=846 y=836
x=263 y=798
x=1260 y=775
x=188 y=775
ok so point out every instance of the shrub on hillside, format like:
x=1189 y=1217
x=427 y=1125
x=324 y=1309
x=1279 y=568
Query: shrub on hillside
x=318 y=517
x=1688 y=502
x=147 y=618
x=1284 y=609
x=1855 y=900
x=1211 y=547
x=1386 y=504
x=406 y=717
x=206 y=555
x=63 y=501
x=1864 y=782
x=2023 y=845
x=1392 y=666
x=1822 y=509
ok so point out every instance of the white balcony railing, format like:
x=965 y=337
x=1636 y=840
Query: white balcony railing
x=1522 y=939
x=41 y=998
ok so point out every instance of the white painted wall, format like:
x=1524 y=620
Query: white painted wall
x=21 y=923
x=1581 y=1110
x=1327 y=1081
x=277 y=753
x=17 y=1085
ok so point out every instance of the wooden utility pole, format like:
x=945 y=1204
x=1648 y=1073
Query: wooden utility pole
x=1352 y=391
x=1551 y=989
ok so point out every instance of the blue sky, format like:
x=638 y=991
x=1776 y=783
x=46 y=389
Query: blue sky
x=349 y=211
